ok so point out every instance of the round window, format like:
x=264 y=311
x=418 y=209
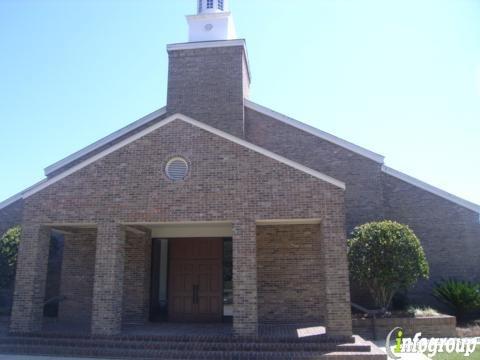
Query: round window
x=176 y=169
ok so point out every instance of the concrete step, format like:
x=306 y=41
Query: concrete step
x=190 y=338
x=185 y=345
x=182 y=355
x=187 y=349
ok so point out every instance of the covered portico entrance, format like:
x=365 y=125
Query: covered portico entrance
x=286 y=220
x=113 y=276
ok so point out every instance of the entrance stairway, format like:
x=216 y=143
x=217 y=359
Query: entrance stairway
x=190 y=347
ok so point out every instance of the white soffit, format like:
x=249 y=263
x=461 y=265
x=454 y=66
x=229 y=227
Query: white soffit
x=98 y=144
x=47 y=182
x=314 y=131
x=173 y=230
x=266 y=222
x=432 y=189
x=207 y=44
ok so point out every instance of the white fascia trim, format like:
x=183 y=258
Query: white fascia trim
x=207 y=44
x=47 y=182
x=19 y=195
x=432 y=189
x=98 y=144
x=10 y=200
x=288 y=222
x=213 y=44
x=177 y=223
x=314 y=131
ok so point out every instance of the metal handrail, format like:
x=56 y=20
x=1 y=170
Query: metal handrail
x=368 y=311
x=372 y=313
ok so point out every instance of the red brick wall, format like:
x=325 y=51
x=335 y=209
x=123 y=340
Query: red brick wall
x=437 y=326
x=129 y=185
x=290 y=288
x=363 y=195
x=78 y=273
x=209 y=85
x=136 y=286
x=449 y=233
x=78 y=267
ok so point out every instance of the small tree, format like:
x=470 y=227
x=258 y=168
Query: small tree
x=8 y=256
x=386 y=257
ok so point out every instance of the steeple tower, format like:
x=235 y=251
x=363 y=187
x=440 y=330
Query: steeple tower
x=212 y=22
x=209 y=76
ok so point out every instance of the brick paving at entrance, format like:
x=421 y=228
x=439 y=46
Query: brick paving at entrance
x=188 y=341
x=179 y=330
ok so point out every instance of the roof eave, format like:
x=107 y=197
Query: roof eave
x=104 y=141
x=432 y=189
x=316 y=132
x=50 y=181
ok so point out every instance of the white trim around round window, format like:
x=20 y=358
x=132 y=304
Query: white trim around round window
x=177 y=169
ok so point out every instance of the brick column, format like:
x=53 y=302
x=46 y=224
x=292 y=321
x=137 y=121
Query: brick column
x=30 y=281
x=136 y=283
x=338 y=317
x=78 y=270
x=108 y=280
x=245 y=317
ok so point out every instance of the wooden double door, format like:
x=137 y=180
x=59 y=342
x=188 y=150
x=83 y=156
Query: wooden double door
x=195 y=280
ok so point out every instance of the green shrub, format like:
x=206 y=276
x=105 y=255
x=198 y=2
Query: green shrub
x=386 y=257
x=8 y=256
x=462 y=297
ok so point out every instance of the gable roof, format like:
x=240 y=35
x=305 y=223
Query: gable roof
x=314 y=131
x=363 y=152
x=49 y=181
x=104 y=141
x=431 y=189
x=297 y=124
x=19 y=196
x=249 y=104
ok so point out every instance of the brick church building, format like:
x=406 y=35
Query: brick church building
x=216 y=207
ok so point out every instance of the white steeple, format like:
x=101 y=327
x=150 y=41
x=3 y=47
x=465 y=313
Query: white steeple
x=212 y=22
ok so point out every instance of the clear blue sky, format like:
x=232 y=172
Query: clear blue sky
x=401 y=78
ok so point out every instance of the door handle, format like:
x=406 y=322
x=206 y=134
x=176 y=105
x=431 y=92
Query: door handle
x=195 y=297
